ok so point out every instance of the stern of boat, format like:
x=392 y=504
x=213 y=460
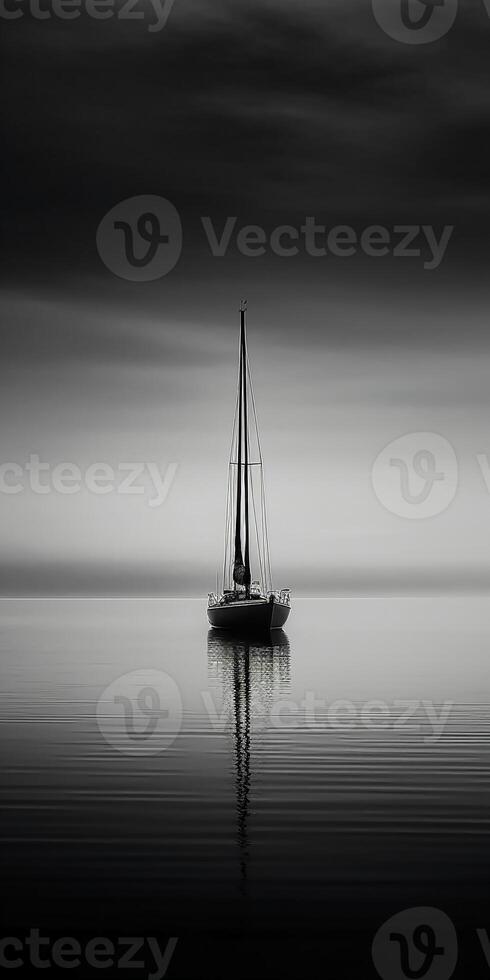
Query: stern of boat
x=230 y=612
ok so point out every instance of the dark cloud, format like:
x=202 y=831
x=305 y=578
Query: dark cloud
x=268 y=111
x=274 y=109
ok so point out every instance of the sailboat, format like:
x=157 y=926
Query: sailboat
x=246 y=604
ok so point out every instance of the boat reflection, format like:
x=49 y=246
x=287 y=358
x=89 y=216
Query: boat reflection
x=252 y=673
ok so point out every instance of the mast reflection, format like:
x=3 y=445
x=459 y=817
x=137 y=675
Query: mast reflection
x=252 y=674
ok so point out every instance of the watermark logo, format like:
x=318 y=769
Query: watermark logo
x=415 y=21
x=157 y=11
x=149 y=480
x=140 y=713
x=148 y=954
x=416 y=944
x=140 y=239
x=317 y=241
x=412 y=718
x=416 y=475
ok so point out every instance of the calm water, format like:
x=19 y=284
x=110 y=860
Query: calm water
x=262 y=802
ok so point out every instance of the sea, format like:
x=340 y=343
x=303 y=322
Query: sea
x=313 y=801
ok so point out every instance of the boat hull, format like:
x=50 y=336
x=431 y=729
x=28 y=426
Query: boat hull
x=249 y=616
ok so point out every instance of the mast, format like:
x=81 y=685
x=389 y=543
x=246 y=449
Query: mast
x=245 y=439
x=241 y=568
x=238 y=520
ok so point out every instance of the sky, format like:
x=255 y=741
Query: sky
x=269 y=113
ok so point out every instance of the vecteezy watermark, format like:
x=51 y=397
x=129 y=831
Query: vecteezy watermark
x=415 y=21
x=411 y=717
x=318 y=241
x=144 y=953
x=418 y=942
x=143 y=479
x=141 y=238
x=423 y=943
x=158 y=10
x=140 y=713
x=416 y=475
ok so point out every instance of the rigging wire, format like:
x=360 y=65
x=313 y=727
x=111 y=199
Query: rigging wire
x=262 y=577
x=229 y=493
x=265 y=530
x=227 y=525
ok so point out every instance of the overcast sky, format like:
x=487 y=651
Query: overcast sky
x=268 y=112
